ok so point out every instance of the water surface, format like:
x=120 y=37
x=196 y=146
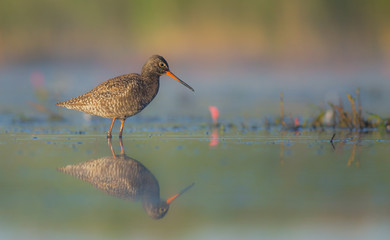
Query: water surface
x=248 y=184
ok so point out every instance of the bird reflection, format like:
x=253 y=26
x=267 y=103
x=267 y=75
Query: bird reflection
x=124 y=177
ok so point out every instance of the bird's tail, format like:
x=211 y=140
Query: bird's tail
x=60 y=104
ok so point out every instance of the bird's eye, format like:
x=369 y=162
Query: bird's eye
x=162 y=64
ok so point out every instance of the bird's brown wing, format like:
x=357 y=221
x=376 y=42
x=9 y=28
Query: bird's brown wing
x=114 y=87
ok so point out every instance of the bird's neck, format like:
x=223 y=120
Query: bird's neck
x=150 y=198
x=150 y=76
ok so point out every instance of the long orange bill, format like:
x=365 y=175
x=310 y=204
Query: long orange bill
x=169 y=201
x=180 y=81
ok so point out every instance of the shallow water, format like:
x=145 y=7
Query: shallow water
x=248 y=184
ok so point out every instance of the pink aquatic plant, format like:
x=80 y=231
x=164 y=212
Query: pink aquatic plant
x=214 y=114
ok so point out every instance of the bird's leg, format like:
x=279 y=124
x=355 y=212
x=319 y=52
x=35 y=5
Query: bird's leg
x=122 y=124
x=109 y=130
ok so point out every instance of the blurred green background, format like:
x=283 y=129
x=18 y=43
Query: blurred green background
x=313 y=51
x=275 y=31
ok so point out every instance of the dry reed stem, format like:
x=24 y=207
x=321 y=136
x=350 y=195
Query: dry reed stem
x=354 y=113
x=344 y=117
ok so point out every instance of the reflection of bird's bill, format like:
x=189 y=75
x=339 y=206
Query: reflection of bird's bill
x=180 y=81
x=169 y=201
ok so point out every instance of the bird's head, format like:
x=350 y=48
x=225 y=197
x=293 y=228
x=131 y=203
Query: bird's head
x=157 y=64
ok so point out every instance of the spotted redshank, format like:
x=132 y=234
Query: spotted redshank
x=123 y=96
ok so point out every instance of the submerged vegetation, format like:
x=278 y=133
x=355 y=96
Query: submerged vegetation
x=336 y=116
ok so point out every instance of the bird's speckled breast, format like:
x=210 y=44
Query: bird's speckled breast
x=138 y=96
